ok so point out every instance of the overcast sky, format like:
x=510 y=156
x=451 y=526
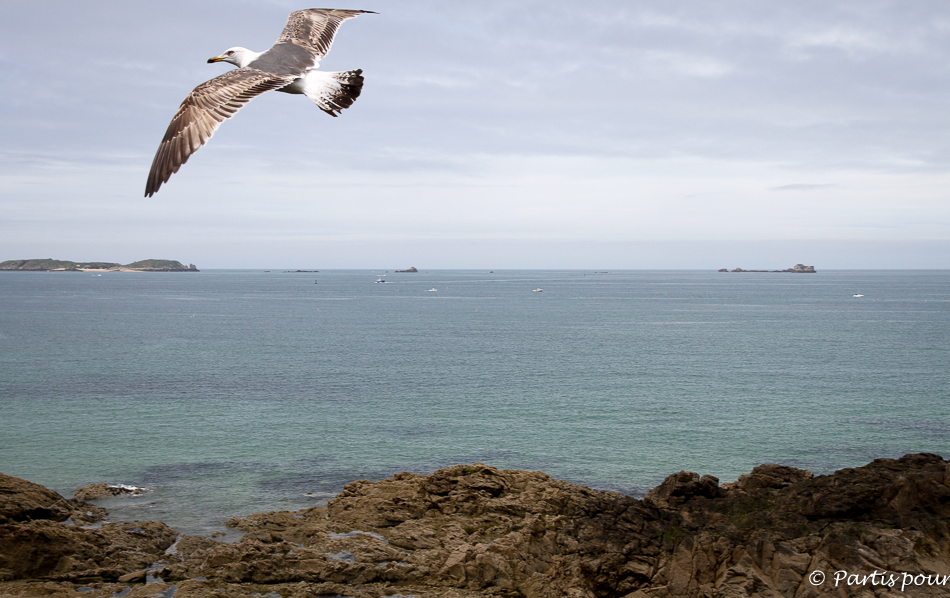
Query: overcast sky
x=490 y=134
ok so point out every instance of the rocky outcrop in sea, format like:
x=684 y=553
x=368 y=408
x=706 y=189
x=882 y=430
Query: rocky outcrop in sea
x=797 y=268
x=476 y=531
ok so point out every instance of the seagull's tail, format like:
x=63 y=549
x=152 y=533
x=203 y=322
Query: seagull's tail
x=333 y=92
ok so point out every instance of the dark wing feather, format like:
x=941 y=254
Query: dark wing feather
x=315 y=28
x=205 y=108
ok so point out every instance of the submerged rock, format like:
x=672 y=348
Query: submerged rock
x=94 y=491
x=469 y=531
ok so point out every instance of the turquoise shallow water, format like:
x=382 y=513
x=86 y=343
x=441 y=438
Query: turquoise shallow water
x=228 y=392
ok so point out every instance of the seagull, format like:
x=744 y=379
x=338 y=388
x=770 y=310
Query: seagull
x=290 y=66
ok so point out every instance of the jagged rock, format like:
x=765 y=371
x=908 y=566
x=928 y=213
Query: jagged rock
x=908 y=492
x=469 y=531
x=51 y=550
x=475 y=528
x=23 y=501
x=770 y=476
x=774 y=527
x=680 y=487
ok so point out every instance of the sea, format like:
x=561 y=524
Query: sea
x=226 y=392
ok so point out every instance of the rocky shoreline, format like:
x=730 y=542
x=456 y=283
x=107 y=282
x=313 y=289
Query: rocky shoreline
x=476 y=531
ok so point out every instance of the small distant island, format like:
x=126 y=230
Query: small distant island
x=51 y=265
x=797 y=269
x=411 y=269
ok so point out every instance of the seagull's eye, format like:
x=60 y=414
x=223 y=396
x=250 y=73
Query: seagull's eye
x=230 y=52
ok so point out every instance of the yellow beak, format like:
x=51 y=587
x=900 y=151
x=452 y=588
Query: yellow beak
x=216 y=59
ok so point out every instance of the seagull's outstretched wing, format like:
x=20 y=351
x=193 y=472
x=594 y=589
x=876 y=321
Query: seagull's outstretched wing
x=315 y=28
x=205 y=108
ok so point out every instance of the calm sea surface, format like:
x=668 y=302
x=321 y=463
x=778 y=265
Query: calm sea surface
x=229 y=392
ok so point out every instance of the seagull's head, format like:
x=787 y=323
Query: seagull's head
x=238 y=56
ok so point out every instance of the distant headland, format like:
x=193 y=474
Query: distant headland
x=797 y=268
x=51 y=265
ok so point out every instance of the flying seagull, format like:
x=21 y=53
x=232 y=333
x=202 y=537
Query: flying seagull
x=290 y=65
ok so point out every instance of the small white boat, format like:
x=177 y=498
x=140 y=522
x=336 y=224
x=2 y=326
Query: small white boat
x=857 y=295
x=537 y=290
x=380 y=279
x=432 y=290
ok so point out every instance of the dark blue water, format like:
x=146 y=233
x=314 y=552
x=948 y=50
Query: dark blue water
x=227 y=392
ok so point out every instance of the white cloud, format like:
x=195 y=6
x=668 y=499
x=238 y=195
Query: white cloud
x=802 y=187
x=855 y=43
x=685 y=64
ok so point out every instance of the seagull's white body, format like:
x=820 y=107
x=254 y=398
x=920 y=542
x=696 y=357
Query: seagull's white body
x=313 y=83
x=290 y=66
